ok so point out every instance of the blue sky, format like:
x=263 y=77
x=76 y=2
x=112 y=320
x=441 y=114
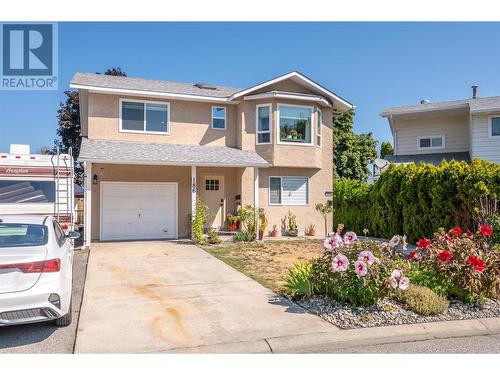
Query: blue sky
x=373 y=65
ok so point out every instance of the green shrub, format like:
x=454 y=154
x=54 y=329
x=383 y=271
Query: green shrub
x=213 y=237
x=244 y=236
x=297 y=282
x=416 y=200
x=345 y=285
x=199 y=221
x=429 y=277
x=422 y=300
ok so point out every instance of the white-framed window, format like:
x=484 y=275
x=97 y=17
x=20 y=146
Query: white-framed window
x=219 y=118
x=295 y=122
x=288 y=191
x=494 y=126
x=431 y=142
x=264 y=122
x=138 y=116
x=319 y=118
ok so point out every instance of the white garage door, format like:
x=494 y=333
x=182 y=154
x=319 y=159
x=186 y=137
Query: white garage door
x=132 y=211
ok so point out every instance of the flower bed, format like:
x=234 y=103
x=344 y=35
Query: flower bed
x=454 y=275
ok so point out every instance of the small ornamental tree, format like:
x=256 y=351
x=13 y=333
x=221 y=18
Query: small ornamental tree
x=386 y=149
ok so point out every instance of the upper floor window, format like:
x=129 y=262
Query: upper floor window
x=264 y=115
x=295 y=124
x=494 y=128
x=219 y=117
x=430 y=142
x=146 y=117
x=318 y=129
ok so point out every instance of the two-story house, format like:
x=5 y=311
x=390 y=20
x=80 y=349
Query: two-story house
x=432 y=132
x=151 y=147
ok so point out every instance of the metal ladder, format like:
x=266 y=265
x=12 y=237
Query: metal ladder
x=63 y=206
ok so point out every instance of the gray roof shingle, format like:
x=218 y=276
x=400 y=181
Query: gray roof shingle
x=140 y=84
x=167 y=154
x=475 y=105
x=435 y=159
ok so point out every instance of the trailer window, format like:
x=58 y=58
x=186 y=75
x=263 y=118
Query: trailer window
x=18 y=191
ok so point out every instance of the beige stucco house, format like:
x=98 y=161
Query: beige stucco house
x=151 y=147
x=460 y=130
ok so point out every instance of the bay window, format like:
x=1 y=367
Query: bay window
x=295 y=124
x=264 y=123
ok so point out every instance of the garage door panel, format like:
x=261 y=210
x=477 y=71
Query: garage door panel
x=138 y=211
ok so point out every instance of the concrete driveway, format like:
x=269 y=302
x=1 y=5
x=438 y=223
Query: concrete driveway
x=159 y=296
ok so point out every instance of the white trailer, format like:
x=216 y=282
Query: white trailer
x=37 y=184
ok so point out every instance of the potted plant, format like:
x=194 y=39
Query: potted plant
x=310 y=230
x=293 y=229
x=262 y=223
x=232 y=223
x=274 y=231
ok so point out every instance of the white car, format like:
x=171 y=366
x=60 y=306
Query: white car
x=36 y=270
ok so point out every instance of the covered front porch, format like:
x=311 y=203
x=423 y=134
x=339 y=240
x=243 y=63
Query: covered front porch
x=133 y=198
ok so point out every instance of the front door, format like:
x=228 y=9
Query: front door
x=212 y=195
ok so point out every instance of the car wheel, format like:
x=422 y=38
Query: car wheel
x=65 y=320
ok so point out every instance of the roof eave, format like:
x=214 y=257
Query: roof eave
x=387 y=113
x=172 y=164
x=343 y=103
x=152 y=94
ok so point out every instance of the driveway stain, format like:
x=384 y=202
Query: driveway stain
x=158 y=323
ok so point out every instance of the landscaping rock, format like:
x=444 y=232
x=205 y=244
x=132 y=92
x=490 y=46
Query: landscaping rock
x=390 y=312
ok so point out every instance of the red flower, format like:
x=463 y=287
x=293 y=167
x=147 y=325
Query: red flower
x=485 y=230
x=457 y=231
x=476 y=263
x=423 y=243
x=411 y=255
x=445 y=256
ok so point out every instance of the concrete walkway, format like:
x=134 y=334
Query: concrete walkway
x=158 y=296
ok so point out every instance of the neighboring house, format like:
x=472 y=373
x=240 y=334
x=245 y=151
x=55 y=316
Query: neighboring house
x=150 y=147
x=459 y=130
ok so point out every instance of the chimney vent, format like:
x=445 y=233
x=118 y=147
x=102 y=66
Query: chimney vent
x=474 y=91
x=424 y=101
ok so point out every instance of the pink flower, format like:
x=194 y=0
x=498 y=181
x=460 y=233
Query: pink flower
x=333 y=243
x=404 y=282
x=340 y=263
x=350 y=238
x=367 y=257
x=395 y=274
x=360 y=268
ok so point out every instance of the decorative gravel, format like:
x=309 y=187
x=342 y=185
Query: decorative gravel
x=389 y=312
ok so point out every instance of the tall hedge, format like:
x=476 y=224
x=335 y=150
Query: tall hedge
x=416 y=200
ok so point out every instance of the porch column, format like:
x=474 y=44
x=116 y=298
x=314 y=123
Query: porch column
x=193 y=196
x=256 y=199
x=87 y=197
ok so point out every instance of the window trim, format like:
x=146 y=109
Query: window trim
x=219 y=118
x=278 y=126
x=145 y=102
x=281 y=191
x=490 y=126
x=270 y=131
x=319 y=130
x=443 y=145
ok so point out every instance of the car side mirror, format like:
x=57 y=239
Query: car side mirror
x=73 y=235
